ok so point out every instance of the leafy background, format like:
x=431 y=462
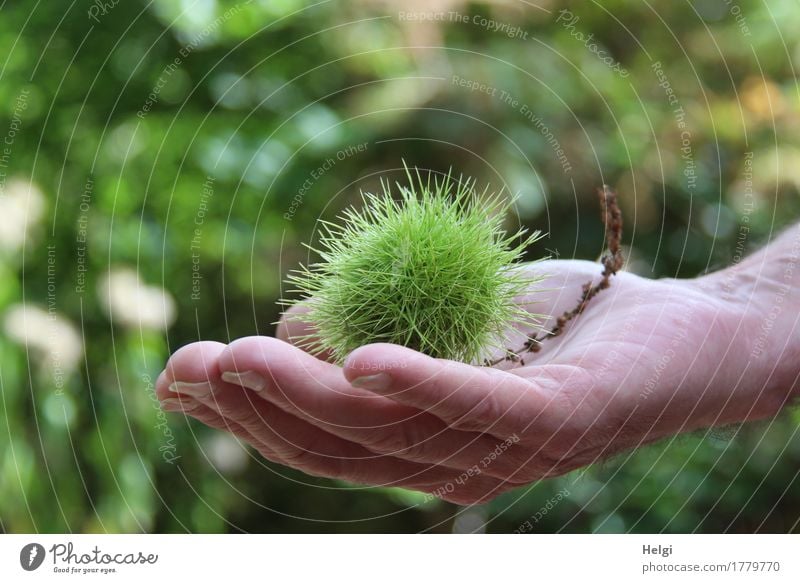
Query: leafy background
x=263 y=93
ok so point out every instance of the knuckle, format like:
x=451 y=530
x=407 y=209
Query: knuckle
x=520 y=465
x=383 y=441
x=467 y=422
x=514 y=465
x=478 y=419
x=296 y=457
x=264 y=451
x=245 y=414
x=404 y=440
x=305 y=460
x=485 y=414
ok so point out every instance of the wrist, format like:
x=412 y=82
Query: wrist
x=760 y=305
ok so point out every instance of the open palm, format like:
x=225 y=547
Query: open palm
x=646 y=359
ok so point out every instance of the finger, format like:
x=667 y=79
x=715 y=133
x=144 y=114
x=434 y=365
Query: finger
x=318 y=393
x=454 y=490
x=315 y=452
x=214 y=420
x=194 y=372
x=177 y=403
x=296 y=331
x=449 y=491
x=465 y=397
x=193 y=363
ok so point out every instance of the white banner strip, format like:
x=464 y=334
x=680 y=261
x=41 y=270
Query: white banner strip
x=399 y=558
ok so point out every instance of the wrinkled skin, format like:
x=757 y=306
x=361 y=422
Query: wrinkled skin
x=647 y=359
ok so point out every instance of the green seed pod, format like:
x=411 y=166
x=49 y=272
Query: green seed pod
x=434 y=271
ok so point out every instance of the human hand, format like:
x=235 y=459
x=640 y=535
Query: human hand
x=646 y=359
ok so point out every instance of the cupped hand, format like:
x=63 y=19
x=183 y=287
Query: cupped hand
x=646 y=359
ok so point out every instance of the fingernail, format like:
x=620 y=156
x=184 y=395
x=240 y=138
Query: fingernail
x=192 y=389
x=174 y=405
x=373 y=382
x=248 y=379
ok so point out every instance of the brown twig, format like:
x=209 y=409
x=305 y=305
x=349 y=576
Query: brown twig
x=612 y=262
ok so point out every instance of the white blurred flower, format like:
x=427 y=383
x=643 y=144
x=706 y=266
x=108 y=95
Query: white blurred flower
x=226 y=454
x=50 y=336
x=131 y=302
x=471 y=521
x=21 y=207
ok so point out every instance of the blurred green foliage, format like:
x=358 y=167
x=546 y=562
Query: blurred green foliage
x=189 y=139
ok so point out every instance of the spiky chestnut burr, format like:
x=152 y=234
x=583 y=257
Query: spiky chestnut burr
x=433 y=270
